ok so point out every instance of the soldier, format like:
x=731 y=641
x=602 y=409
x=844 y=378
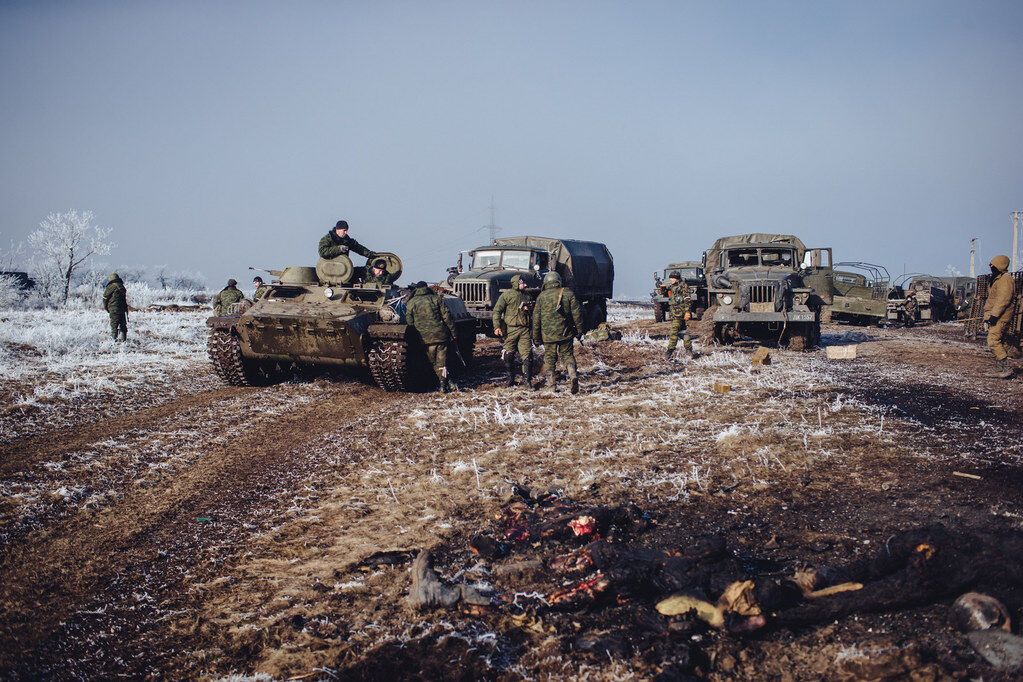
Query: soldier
x=679 y=304
x=430 y=317
x=378 y=273
x=337 y=242
x=257 y=284
x=998 y=311
x=227 y=297
x=512 y=319
x=556 y=319
x=909 y=309
x=115 y=302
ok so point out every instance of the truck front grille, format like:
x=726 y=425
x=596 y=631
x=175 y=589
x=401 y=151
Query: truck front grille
x=762 y=293
x=472 y=292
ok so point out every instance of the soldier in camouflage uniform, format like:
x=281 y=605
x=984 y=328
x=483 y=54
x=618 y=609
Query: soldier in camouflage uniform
x=556 y=319
x=427 y=313
x=378 y=274
x=679 y=305
x=115 y=302
x=909 y=309
x=337 y=242
x=257 y=284
x=998 y=311
x=227 y=297
x=512 y=320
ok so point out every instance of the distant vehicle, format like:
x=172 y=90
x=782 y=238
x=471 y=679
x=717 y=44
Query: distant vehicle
x=768 y=287
x=323 y=317
x=933 y=299
x=587 y=268
x=860 y=293
x=692 y=273
x=19 y=279
x=963 y=289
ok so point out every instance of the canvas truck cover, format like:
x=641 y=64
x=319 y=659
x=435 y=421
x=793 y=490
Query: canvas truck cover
x=713 y=253
x=587 y=267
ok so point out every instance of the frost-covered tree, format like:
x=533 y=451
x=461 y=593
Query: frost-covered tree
x=10 y=286
x=64 y=243
x=187 y=280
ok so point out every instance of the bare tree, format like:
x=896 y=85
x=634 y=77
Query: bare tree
x=63 y=243
x=161 y=275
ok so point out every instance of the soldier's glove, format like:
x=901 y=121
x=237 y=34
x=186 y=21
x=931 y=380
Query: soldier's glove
x=498 y=332
x=992 y=321
x=344 y=249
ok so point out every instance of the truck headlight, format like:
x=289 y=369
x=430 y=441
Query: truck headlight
x=800 y=299
x=727 y=300
x=328 y=292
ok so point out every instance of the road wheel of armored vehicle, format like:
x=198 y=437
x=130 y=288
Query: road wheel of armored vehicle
x=225 y=352
x=658 y=312
x=390 y=365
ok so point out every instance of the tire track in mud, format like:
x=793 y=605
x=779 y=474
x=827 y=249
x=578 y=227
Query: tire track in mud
x=150 y=541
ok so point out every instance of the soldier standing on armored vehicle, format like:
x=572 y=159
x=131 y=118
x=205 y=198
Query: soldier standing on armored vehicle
x=378 y=274
x=115 y=302
x=556 y=319
x=512 y=319
x=337 y=242
x=227 y=297
x=680 y=303
x=998 y=312
x=429 y=316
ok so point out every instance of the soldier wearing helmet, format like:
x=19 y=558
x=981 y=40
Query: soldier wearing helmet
x=512 y=318
x=115 y=302
x=227 y=297
x=557 y=318
x=998 y=312
x=680 y=303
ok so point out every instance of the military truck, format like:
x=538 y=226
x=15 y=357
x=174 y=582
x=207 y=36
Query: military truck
x=933 y=299
x=860 y=293
x=587 y=268
x=326 y=318
x=768 y=287
x=692 y=273
x=962 y=290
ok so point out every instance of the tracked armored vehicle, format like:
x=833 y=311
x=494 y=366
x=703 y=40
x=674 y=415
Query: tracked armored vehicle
x=768 y=287
x=326 y=317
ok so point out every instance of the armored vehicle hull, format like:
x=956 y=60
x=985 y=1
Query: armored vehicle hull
x=692 y=273
x=587 y=268
x=765 y=287
x=304 y=323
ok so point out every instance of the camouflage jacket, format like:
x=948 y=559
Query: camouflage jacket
x=227 y=296
x=332 y=246
x=385 y=279
x=557 y=315
x=514 y=308
x=679 y=300
x=430 y=317
x=115 y=298
x=259 y=292
x=1000 y=295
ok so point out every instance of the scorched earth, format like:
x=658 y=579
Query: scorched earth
x=155 y=523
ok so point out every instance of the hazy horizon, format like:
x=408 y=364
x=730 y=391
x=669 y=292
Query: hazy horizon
x=215 y=137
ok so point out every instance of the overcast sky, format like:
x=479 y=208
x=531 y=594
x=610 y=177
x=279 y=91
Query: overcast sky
x=214 y=136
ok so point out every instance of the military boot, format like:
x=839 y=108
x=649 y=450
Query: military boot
x=575 y=384
x=527 y=374
x=552 y=382
x=124 y=336
x=1002 y=370
x=668 y=354
x=509 y=364
x=445 y=385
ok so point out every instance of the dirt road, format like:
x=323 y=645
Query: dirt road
x=224 y=530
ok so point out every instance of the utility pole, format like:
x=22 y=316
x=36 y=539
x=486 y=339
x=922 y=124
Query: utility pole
x=1017 y=218
x=973 y=258
x=493 y=225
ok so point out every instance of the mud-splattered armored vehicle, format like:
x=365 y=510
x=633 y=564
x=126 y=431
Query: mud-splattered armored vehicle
x=768 y=287
x=326 y=317
x=692 y=273
x=586 y=268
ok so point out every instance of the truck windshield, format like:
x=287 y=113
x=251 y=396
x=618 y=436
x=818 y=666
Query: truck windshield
x=486 y=259
x=687 y=273
x=751 y=257
x=517 y=260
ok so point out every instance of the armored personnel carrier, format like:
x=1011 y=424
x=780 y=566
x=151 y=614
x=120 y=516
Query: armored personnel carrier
x=326 y=317
x=692 y=273
x=768 y=287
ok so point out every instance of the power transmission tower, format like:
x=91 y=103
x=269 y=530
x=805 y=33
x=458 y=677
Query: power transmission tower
x=494 y=229
x=1017 y=219
x=973 y=258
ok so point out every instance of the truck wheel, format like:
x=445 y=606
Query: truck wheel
x=658 y=313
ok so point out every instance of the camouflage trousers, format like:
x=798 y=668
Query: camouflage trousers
x=517 y=340
x=437 y=354
x=996 y=338
x=119 y=325
x=679 y=325
x=559 y=350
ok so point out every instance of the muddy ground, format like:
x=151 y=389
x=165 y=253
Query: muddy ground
x=213 y=531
